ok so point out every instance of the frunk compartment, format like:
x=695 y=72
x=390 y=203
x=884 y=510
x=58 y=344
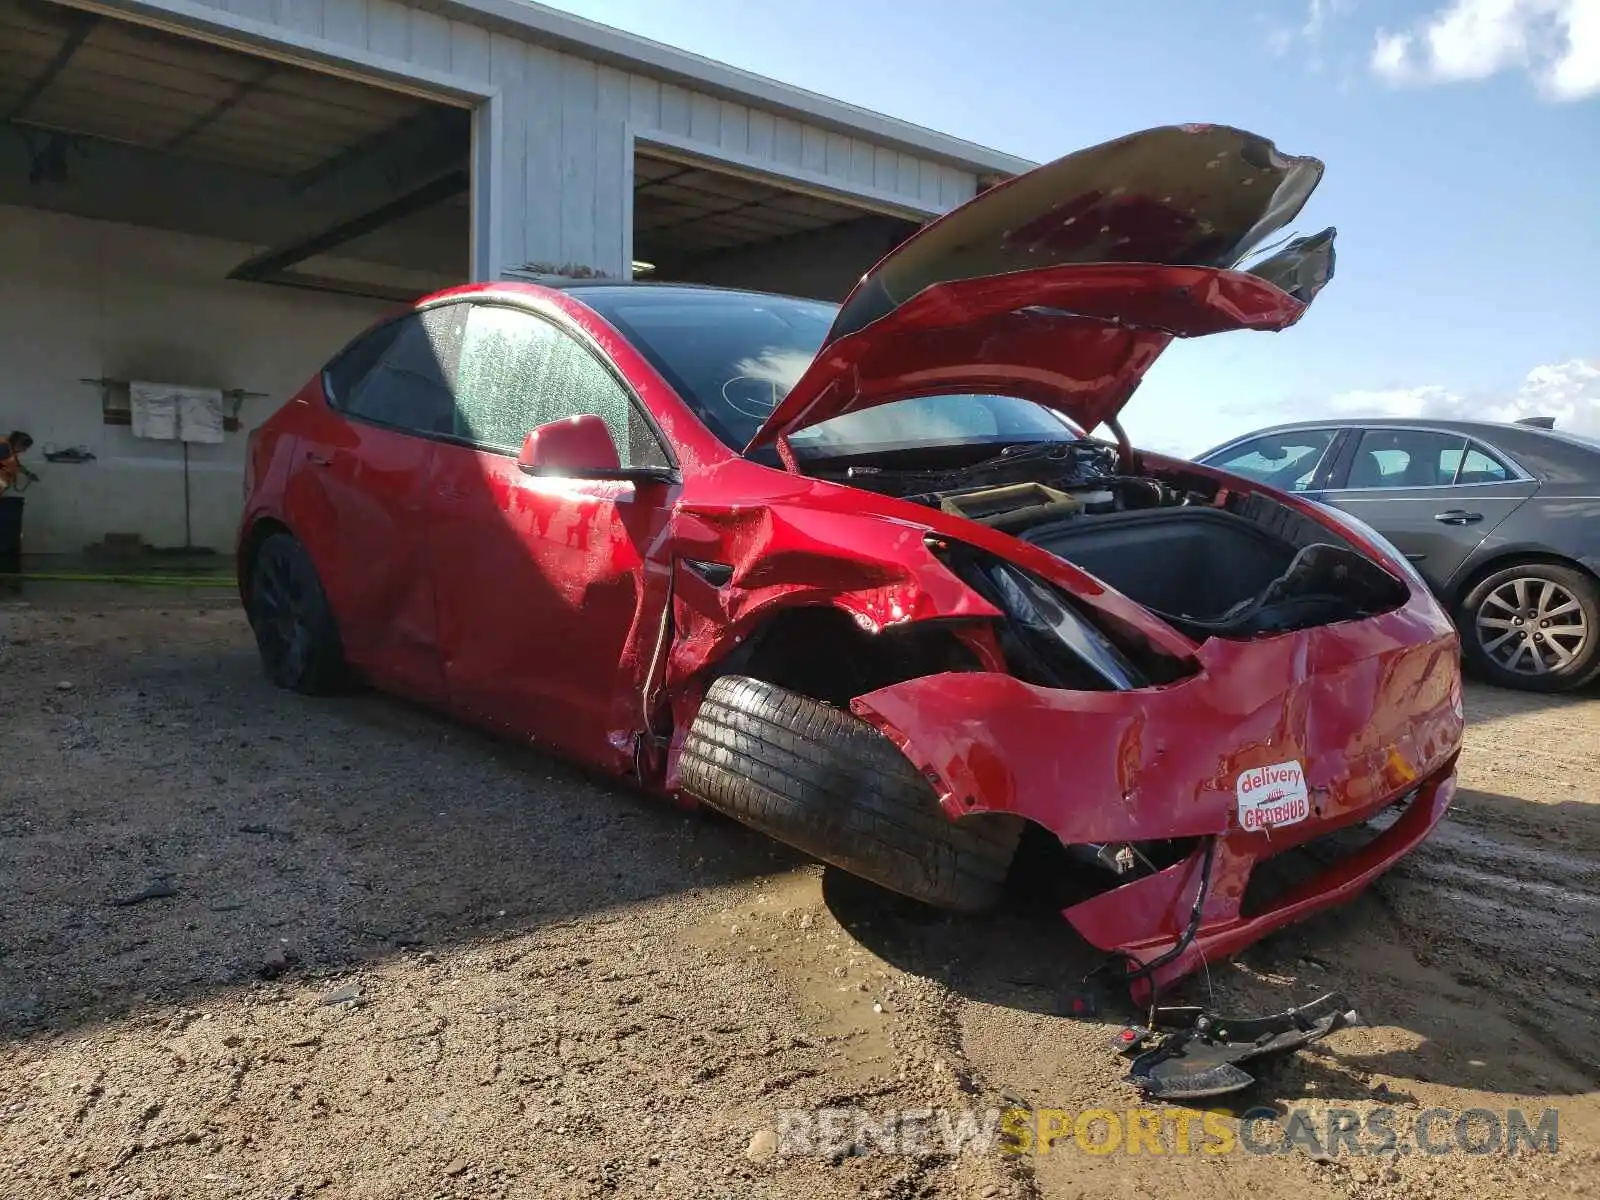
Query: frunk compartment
x=1193 y=563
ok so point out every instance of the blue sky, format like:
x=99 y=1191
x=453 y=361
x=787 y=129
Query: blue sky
x=1462 y=139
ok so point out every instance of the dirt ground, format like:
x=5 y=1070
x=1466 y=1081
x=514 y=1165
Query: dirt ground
x=254 y=945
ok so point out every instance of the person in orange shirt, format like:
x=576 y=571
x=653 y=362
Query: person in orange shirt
x=11 y=460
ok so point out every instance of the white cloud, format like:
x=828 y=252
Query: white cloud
x=1389 y=54
x=1317 y=14
x=1569 y=392
x=1577 y=73
x=1308 y=33
x=1557 y=42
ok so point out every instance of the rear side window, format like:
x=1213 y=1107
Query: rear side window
x=344 y=374
x=1478 y=466
x=1406 y=458
x=518 y=371
x=410 y=385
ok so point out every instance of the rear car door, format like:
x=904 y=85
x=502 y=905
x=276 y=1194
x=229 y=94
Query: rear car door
x=356 y=494
x=551 y=591
x=1433 y=493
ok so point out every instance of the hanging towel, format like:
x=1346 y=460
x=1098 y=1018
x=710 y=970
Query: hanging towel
x=168 y=411
x=153 y=408
x=200 y=415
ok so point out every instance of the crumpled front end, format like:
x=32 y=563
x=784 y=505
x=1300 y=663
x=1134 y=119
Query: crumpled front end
x=1275 y=742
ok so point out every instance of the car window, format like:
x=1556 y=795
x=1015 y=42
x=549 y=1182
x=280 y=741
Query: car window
x=1478 y=466
x=409 y=387
x=1285 y=460
x=922 y=421
x=344 y=374
x=1406 y=458
x=734 y=356
x=519 y=371
x=731 y=356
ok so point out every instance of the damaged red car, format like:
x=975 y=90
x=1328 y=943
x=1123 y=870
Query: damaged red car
x=860 y=577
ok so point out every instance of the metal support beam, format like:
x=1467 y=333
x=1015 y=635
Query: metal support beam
x=272 y=262
x=81 y=26
x=410 y=135
x=709 y=215
x=222 y=107
x=647 y=184
x=345 y=287
x=895 y=231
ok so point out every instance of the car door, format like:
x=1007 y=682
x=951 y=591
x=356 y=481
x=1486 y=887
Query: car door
x=551 y=592
x=1433 y=493
x=356 y=495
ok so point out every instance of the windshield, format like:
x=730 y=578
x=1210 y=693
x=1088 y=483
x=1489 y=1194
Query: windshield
x=734 y=355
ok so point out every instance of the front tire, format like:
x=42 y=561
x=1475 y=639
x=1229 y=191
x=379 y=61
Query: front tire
x=828 y=784
x=1534 y=626
x=293 y=623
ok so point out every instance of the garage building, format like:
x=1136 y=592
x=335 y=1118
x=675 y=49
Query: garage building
x=200 y=202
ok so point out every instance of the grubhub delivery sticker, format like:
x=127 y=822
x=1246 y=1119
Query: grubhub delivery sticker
x=1271 y=797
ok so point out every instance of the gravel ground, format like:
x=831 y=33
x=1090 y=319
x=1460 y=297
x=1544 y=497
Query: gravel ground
x=264 y=946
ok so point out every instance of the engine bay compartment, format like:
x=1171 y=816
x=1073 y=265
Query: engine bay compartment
x=1209 y=561
x=1020 y=484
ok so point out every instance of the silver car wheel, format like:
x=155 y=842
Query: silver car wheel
x=1532 y=626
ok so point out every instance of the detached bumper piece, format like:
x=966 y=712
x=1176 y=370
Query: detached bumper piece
x=1192 y=1053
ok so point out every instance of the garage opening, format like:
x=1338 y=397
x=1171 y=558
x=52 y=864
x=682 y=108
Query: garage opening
x=694 y=223
x=187 y=231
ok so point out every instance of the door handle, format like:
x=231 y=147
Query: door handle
x=1457 y=516
x=317 y=460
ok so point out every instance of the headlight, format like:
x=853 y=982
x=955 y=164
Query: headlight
x=1385 y=548
x=1044 y=614
x=1046 y=639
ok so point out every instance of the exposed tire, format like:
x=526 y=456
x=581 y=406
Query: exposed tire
x=293 y=623
x=1534 y=626
x=824 y=782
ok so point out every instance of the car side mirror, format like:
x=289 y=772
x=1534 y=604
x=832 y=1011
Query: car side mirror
x=573 y=446
x=581 y=447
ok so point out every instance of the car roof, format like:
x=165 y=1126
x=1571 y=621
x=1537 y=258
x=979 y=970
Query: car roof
x=1468 y=428
x=1502 y=434
x=1545 y=453
x=636 y=290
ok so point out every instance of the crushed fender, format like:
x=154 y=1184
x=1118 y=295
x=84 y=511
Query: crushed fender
x=1188 y=1053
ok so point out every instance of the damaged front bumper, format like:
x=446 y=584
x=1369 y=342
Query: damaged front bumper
x=1134 y=921
x=1364 y=716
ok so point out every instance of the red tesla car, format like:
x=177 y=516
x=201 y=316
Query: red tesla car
x=858 y=576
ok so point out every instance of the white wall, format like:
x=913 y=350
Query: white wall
x=91 y=299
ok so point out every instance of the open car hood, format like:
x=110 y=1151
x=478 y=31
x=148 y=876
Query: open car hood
x=1064 y=284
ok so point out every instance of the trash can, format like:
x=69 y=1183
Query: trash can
x=10 y=532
